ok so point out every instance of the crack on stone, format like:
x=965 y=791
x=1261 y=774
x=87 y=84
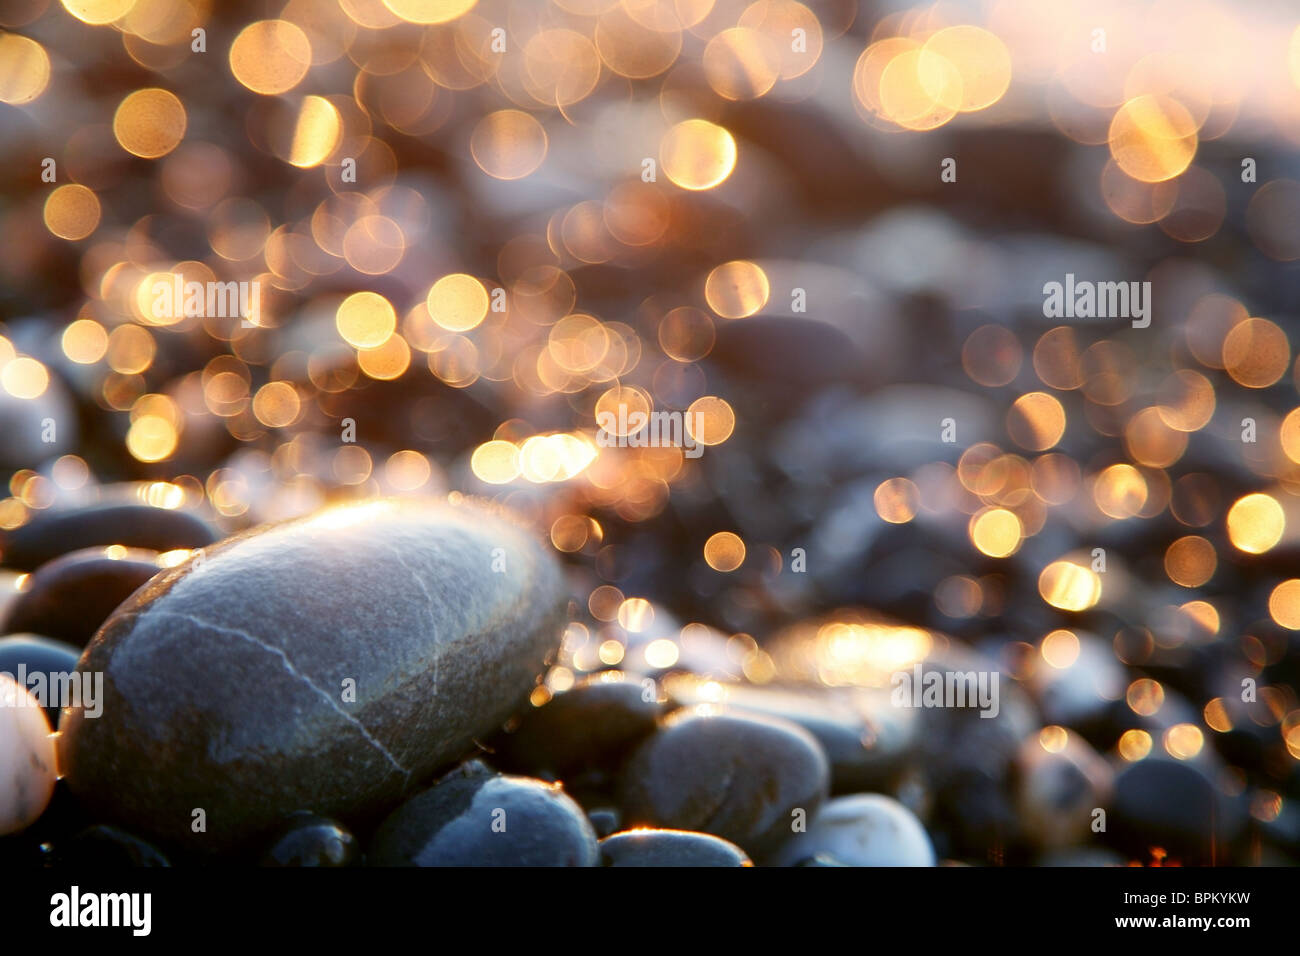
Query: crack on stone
x=433 y=617
x=288 y=665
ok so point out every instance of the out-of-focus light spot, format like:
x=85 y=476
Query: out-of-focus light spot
x=559 y=457
x=496 y=462
x=1216 y=716
x=1273 y=219
x=635 y=615
x=992 y=356
x=1120 y=491
x=151 y=438
x=1153 y=138
x=457 y=302
x=1069 y=586
x=70 y=472
x=1145 y=697
x=569 y=533
x=896 y=500
x=1186 y=401
x=508 y=144
x=72 y=212
x=1151 y=441
x=920 y=90
x=24 y=378
x=996 y=532
x=24 y=69
x=1134 y=745
x=149 y=123
x=1289 y=435
x=98 y=12
x=1036 y=421
x=429 y=11
x=1060 y=649
x=1256 y=353
x=407 y=470
x=1190 y=561
x=1184 y=741
x=1284 y=604
x=777 y=20
x=352 y=464
x=611 y=652
x=270 y=56
x=1056 y=359
x=561 y=67
x=741 y=63
x=316 y=133
x=710 y=420
x=276 y=404
x=365 y=320
x=1255 y=523
x=661 y=653
x=697 y=154
x=686 y=334
x=387 y=361
x=374 y=245
x=1053 y=739
x=724 y=551
x=737 y=289
x=981 y=61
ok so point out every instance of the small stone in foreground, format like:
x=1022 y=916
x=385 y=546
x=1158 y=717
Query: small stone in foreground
x=474 y=817
x=866 y=829
x=26 y=758
x=669 y=848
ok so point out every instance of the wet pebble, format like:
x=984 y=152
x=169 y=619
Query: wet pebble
x=866 y=829
x=744 y=778
x=333 y=662
x=1060 y=789
x=474 y=817
x=310 y=840
x=70 y=597
x=45 y=668
x=50 y=534
x=594 y=724
x=26 y=758
x=669 y=848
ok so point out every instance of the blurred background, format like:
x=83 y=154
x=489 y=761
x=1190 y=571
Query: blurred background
x=821 y=229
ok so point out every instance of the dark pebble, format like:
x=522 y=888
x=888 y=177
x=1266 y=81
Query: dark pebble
x=44 y=661
x=476 y=818
x=51 y=534
x=309 y=840
x=594 y=724
x=669 y=848
x=333 y=662
x=108 y=846
x=747 y=779
x=70 y=597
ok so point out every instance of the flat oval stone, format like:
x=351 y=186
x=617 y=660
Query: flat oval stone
x=26 y=758
x=594 y=724
x=330 y=663
x=46 y=669
x=50 y=534
x=310 y=840
x=474 y=817
x=669 y=848
x=70 y=597
x=738 y=777
x=866 y=829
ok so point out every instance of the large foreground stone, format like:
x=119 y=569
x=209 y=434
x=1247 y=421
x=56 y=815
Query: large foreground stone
x=328 y=664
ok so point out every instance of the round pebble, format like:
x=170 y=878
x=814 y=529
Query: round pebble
x=26 y=758
x=70 y=597
x=50 y=534
x=669 y=848
x=867 y=829
x=747 y=779
x=332 y=662
x=476 y=818
x=46 y=669
x=309 y=840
